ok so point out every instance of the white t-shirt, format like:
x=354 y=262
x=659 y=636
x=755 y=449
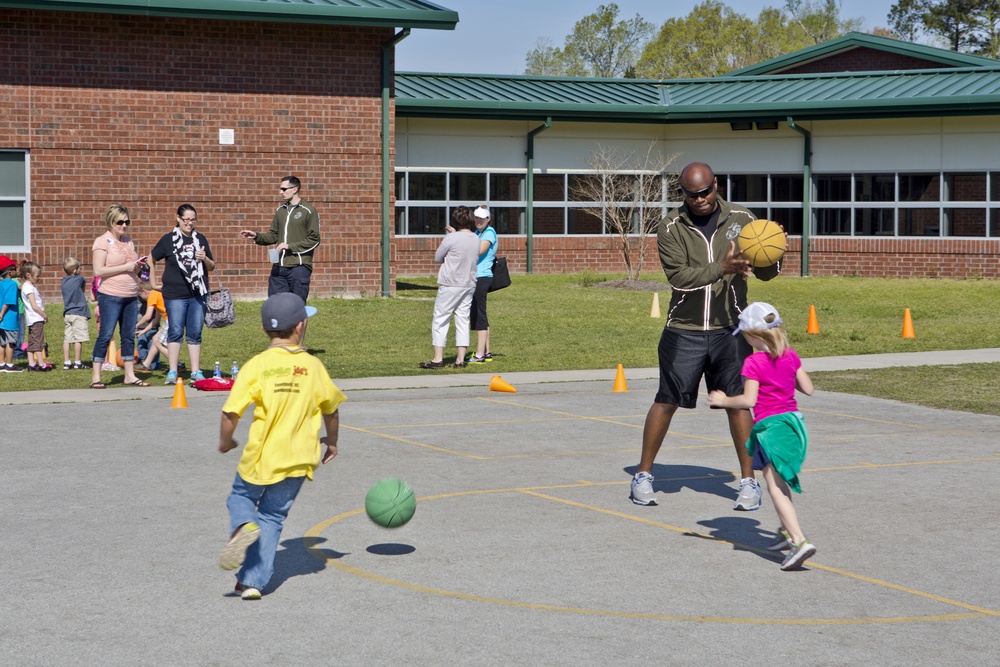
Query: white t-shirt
x=30 y=316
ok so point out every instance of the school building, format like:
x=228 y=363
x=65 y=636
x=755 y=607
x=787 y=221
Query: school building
x=878 y=156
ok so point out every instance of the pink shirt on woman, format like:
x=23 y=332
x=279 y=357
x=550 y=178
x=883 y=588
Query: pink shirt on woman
x=119 y=252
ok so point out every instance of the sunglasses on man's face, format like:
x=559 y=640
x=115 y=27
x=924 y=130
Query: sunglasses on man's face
x=699 y=194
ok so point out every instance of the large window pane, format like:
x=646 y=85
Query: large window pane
x=789 y=218
x=874 y=222
x=507 y=187
x=833 y=187
x=919 y=222
x=966 y=186
x=833 y=221
x=786 y=187
x=748 y=187
x=581 y=222
x=426 y=219
x=550 y=220
x=428 y=187
x=12 y=177
x=874 y=187
x=919 y=187
x=507 y=220
x=965 y=221
x=586 y=187
x=550 y=187
x=11 y=223
x=467 y=187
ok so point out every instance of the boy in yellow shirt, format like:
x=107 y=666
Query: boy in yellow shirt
x=294 y=397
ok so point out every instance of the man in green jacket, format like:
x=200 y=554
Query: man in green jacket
x=708 y=282
x=295 y=230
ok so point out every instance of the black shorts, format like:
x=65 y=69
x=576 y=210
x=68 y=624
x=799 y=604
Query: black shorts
x=687 y=355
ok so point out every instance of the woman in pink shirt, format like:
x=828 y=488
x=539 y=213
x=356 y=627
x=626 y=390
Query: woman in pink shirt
x=117 y=264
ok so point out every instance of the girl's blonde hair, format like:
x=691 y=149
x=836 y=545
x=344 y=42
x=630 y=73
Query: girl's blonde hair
x=775 y=340
x=26 y=269
x=115 y=213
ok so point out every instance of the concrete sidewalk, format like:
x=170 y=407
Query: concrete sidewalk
x=524 y=550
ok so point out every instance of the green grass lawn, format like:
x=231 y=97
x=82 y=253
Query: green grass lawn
x=565 y=322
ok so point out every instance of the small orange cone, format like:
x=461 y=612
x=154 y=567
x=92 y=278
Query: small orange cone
x=655 y=310
x=497 y=384
x=180 y=400
x=620 y=380
x=813 y=326
x=908 y=331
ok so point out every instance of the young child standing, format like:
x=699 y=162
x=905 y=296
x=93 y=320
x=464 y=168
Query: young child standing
x=35 y=317
x=778 y=440
x=8 y=314
x=293 y=397
x=76 y=312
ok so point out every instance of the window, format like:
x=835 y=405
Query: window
x=14 y=201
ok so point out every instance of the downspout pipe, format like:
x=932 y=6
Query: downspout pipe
x=530 y=194
x=387 y=51
x=806 y=192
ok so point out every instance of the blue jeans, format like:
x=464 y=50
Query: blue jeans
x=143 y=343
x=267 y=506
x=122 y=312
x=294 y=279
x=185 y=315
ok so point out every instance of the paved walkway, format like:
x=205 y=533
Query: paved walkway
x=524 y=550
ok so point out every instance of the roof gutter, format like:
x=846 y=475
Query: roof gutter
x=806 y=192
x=530 y=195
x=387 y=51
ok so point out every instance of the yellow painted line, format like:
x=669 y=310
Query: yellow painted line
x=413 y=442
x=317 y=530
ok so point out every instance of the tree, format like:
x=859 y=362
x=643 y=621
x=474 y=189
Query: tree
x=547 y=60
x=820 y=20
x=609 y=47
x=957 y=21
x=600 y=45
x=627 y=191
x=906 y=18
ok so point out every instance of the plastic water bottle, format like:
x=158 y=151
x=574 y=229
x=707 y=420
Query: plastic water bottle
x=235 y=370
x=218 y=370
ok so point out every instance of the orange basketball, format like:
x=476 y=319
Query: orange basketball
x=762 y=243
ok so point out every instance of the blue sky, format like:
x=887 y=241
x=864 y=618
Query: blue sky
x=493 y=36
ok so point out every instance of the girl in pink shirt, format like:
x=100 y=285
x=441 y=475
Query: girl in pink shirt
x=779 y=439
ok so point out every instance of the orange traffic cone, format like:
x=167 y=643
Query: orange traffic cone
x=620 y=379
x=655 y=310
x=497 y=384
x=112 y=352
x=813 y=326
x=180 y=400
x=908 y=331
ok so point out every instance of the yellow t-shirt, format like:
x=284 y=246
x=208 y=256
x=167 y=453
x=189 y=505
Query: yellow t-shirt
x=292 y=391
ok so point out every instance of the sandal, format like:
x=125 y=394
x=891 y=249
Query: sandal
x=138 y=383
x=458 y=364
x=98 y=385
x=432 y=364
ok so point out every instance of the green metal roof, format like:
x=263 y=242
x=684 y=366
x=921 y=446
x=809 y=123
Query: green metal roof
x=964 y=91
x=856 y=40
x=378 y=13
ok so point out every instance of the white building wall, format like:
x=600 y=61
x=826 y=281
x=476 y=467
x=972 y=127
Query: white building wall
x=925 y=144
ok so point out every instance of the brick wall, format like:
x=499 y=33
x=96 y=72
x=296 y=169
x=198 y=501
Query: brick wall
x=828 y=256
x=862 y=59
x=127 y=109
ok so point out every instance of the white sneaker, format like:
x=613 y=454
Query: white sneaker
x=642 y=489
x=750 y=493
x=798 y=554
x=247 y=592
x=235 y=551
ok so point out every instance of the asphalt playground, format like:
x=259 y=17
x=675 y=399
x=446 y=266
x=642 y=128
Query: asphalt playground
x=524 y=549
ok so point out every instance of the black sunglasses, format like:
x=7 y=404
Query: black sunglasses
x=700 y=193
x=288 y=188
x=123 y=222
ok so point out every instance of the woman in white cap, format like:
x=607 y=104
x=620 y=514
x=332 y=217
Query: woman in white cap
x=479 y=322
